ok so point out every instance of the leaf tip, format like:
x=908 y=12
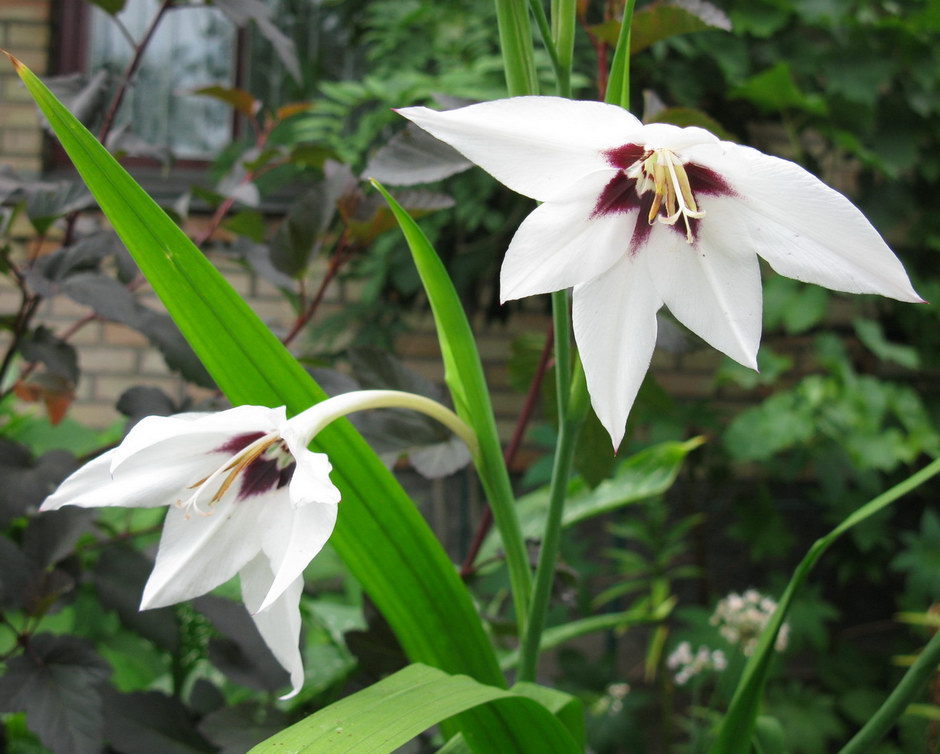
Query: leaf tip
x=17 y=65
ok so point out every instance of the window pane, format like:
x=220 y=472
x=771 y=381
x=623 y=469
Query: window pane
x=193 y=47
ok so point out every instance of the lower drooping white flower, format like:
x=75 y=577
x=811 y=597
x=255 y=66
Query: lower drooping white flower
x=245 y=497
x=637 y=216
x=741 y=618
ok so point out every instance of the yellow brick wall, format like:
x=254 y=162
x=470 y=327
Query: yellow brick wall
x=25 y=32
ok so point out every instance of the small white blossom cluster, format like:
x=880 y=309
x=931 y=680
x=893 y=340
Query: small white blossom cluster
x=612 y=701
x=686 y=664
x=742 y=617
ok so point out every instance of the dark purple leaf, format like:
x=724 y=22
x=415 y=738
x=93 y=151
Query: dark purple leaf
x=412 y=157
x=58 y=356
x=56 y=683
x=150 y=723
x=25 y=482
x=240 y=652
x=119 y=577
x=301 y=234
x=236 y=729
x=17 y=573
x=51 y=536
x=46 y=204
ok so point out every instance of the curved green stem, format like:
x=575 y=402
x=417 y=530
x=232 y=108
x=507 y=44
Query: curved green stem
x=884 y=719
x=564 y=23
x=321 y=414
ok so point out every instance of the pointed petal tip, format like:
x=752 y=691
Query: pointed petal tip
x=291 y=694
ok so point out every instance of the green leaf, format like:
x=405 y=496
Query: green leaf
x=239 y=99
x=872 y=334
x=774 y=90
x=661 y=20
x=649 y=472
x=558 y=635
x=390 y=713
x=112 y=7
x=380 y=535
x=463 y=373
x=734 y=735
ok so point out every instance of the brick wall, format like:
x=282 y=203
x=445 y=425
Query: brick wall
x=25 y=32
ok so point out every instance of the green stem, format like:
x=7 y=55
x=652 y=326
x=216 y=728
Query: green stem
x=515 y=41
x=569 y=423
x=318 y=416
x=618 y=84
x=564 y=22
x=883 y=720
x=547 y=39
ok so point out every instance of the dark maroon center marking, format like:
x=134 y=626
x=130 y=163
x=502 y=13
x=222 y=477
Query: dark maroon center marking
x=239 y=443
x=619 y=196
x=626 y=156
x=263 y=475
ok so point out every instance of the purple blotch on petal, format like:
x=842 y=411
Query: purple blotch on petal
x=625 y=156
x=239 y=442
x=618 y=196
x=643 y=228
x=704 y=180
x=260 y=476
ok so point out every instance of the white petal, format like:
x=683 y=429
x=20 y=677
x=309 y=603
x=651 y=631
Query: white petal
x=279 y=624
x=803 y=228
x=675 y=138
x=535 y=145
x=199 y=552
x=292 y=538
x=196 y=432
x=713 y=287
x=615 y=328
x=560 y=244
x=137 y=486
x=311 y=480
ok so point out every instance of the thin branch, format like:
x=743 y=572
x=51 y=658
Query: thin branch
x=342 y=255
x=131 y=69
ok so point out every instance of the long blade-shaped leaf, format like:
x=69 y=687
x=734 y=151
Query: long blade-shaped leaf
x=388 y=714
x=734 y=736
x=380 y=535
x=464 y=376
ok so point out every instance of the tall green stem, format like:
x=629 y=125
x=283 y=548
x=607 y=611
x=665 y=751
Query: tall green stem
x=618 y=84
x=571 y=410
x=884 y=719
x=564 y=22
x=515 y=40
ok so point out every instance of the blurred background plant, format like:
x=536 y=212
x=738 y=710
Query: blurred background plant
x=276 y=150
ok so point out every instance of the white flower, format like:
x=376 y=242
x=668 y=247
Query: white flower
x=688 y=665
x=741 y=619
x=637 y=216
x=246 y=496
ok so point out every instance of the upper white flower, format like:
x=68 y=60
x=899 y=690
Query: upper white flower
x=246 y=496
x=636 y=216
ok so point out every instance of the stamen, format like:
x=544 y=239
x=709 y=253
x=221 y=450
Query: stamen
x=235 y=465
x=670 y=182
